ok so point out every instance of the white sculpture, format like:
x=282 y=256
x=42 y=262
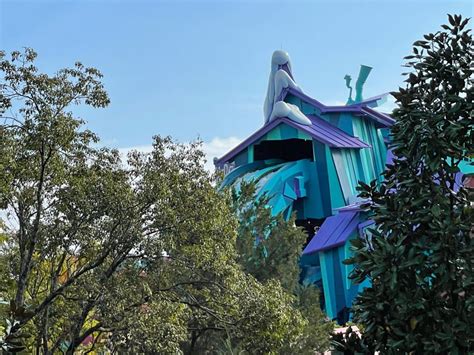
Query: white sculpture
x=281 y=78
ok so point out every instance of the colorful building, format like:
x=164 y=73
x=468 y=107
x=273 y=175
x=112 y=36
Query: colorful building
x=308 y=159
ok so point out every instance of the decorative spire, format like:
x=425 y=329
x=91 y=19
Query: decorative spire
x=361 y=79
x=363 y=74
x=348 y=79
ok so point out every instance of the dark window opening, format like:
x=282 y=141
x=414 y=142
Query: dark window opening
x=287 y=150
x=311 y=226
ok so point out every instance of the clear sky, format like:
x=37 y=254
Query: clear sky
x=200 y=68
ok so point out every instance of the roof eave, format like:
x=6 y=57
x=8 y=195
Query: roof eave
x=269 y=126
x=332 y=246
x=241 y=146
x=381 y=119
x=302 y=96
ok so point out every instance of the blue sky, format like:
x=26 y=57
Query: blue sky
x=200 y=68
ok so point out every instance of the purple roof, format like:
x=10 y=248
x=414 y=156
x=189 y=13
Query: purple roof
x=320 y=130
x=326 y=133
x=302 y=96
x=334 y=232
x=382 y=118
x=353 y=207
x=372 y=101
x=361 y=108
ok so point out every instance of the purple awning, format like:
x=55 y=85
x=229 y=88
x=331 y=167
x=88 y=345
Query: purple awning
x=334 y=232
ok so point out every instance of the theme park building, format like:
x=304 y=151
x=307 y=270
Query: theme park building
x=308 y=158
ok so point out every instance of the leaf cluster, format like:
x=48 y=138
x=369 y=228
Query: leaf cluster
x=421 y=255
x=269 y=248
x=134 y=254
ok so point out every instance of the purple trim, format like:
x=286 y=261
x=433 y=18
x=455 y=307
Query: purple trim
x=381 y=119
x=252 y=139
x=328 y=134
x=371 y=101
x=362 y=225
x=320 y=130
x=336 y=109
x=353 y=207
x=334 y=232
x=303 y=97
x=390 y=157
x=296 y=185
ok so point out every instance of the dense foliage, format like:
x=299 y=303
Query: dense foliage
x=137 y=256
x=269 y=248
x=420 y=258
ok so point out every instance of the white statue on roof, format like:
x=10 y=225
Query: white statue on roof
x=281 y=77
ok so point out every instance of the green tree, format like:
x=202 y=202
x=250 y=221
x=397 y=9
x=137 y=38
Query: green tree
x=269 y=248
x=421 y=255
x=135 y=256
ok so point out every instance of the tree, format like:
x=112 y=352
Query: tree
x=420 y=257
x=38 y=142
x=132 y=256
x=269 y=248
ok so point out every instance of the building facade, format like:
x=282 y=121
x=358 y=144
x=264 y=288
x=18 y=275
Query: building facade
x=308 y=159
